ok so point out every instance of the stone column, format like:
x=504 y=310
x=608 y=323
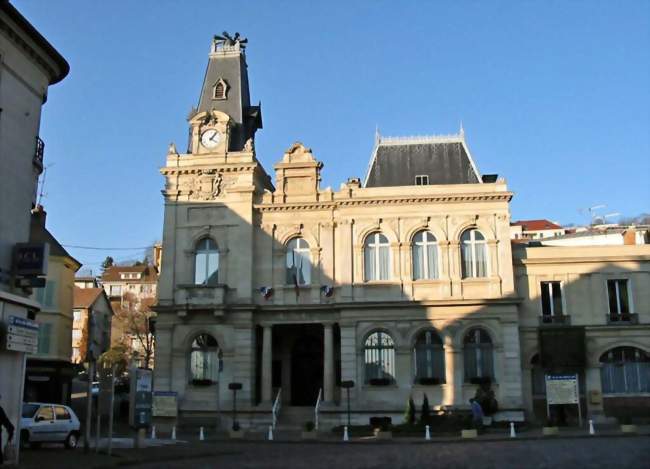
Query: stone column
x=328 y=363
x=267 y=362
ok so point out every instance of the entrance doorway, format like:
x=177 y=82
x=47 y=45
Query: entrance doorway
x=307 y=367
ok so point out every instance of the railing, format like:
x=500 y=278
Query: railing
x=275 y=410
x=317 y=408
x=623 y=318
x=562 y=319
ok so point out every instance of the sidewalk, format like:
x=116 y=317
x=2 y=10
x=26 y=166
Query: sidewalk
x=190 y=448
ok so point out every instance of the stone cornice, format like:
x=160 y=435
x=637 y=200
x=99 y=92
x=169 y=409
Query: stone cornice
x=446 y=198
x=229 y=168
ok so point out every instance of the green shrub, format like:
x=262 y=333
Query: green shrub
x=409 y=414
x=309 y=426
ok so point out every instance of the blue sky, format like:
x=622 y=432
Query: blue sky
x=553 y=95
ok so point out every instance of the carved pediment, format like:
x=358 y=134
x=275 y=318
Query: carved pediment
x=298 y=153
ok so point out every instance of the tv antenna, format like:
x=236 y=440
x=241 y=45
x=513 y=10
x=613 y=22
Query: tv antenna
x=592 y=212
x=42 y=193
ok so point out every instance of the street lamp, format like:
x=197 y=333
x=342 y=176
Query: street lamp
x=347 y=385
x=234 y=387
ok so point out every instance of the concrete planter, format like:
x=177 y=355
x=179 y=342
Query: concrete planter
x=628 y=428
x=468 y=433
x=236 y=434
x=384 y=435
x=550 y=431
x=309 y=435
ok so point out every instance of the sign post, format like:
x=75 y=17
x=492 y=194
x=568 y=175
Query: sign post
x=562 y=389
x=22 y=335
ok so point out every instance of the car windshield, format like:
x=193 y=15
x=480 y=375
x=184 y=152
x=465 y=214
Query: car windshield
x=29 y=410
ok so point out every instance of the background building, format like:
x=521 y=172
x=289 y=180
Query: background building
x=96 y=332
x=49 y=372
x=535 y=229
x=28 y=65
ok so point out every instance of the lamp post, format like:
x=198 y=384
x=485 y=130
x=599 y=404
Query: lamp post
x=347 y=385
x=234 y=387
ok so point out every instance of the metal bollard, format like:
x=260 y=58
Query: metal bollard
x=270 y=435
x=153 y=432
x=174 y=432
x=427 y=433
x=591 y=427
x=201 y=435
x=512 y=430
x=345 y=433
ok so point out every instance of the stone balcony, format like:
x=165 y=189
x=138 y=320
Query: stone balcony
x=200 y=296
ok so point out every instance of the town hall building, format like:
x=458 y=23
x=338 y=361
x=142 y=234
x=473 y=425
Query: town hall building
x=404 y=283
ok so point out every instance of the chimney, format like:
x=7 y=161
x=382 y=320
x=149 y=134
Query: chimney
x=629 y=236
x=39 y=215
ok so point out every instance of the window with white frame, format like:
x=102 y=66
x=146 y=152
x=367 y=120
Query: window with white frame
x=619 y=299
x=115 y=290
x=206 y=262
x=76 y=315
x=625 y=370
x=298 y=262
x=379 y=358
x=376 y=255
x=473 y=253
x=429 y=358
x=422 y=180
x=204 y=359
x=478 y=354
x=551 y=299
x=425 y=256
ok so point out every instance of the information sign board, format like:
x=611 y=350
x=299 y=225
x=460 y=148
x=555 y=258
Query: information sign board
x=22 y=335
x=562 y=389
x=165 y=404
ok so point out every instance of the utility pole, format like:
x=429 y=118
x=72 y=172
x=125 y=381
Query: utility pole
x=91 y=374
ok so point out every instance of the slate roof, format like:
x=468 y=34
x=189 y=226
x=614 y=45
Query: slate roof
x=444 y=159
x=536 y=225
x=85 y=297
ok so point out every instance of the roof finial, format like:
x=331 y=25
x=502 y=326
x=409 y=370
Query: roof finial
x=462 y=130
x=377 y=135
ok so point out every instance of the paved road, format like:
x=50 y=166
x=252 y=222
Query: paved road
x=606 y=453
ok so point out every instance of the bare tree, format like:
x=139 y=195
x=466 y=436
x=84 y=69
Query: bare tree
x=134 y=319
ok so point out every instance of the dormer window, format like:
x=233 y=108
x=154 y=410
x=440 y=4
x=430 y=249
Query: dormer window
x=422 y=180
x=220 y=89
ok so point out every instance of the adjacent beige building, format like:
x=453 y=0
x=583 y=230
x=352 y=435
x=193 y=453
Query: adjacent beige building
x=28 y=66
x=91 y=326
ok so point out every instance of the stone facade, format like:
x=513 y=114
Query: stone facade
x=290 y=289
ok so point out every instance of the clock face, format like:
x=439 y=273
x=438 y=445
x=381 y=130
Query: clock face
x=211 y=138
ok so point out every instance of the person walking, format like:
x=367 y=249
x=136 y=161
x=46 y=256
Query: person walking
x=5 y=422
x=477 y=414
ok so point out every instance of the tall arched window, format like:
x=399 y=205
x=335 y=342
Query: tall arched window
x=376 y=255
x=379 y=358
x=478 y=355
x=298 y=263
x=473 y=254
x=204 y=359
x=425 y=256
x=429 y=358
x=625 y=370
x=206 y=262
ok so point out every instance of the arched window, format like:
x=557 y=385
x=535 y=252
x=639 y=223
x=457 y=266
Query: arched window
x=204 y=359
x=379 y=355
x=298 y=263
x=206 y=262
x=429 y=358
x=473 y=254
x=376 y=255
x=425 y=256
x=219 y=90
x=625 y=370
x=478 y=355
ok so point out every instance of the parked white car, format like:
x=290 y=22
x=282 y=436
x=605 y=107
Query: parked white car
x=41 y=423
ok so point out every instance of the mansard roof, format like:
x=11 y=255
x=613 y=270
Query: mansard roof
x=396 y=161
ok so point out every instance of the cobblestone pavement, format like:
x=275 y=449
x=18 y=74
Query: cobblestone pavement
x=619 y=453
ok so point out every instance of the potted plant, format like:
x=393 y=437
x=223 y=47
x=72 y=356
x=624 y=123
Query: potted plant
x=626 y=425
x=309 y=431
x=550 y=429
x=236 y=431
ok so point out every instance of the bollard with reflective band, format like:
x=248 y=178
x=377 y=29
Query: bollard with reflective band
x=427 y=433
x=345 y=433
x=512 y=430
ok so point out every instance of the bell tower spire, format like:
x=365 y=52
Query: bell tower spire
x=225 y=89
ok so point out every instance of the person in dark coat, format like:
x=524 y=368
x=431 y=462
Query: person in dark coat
x=5 y=422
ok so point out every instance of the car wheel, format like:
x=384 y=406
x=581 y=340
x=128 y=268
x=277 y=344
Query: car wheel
x=72 y=440
x=24 y=439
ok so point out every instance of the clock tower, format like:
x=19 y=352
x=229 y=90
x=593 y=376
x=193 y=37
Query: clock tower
x=224 y=120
